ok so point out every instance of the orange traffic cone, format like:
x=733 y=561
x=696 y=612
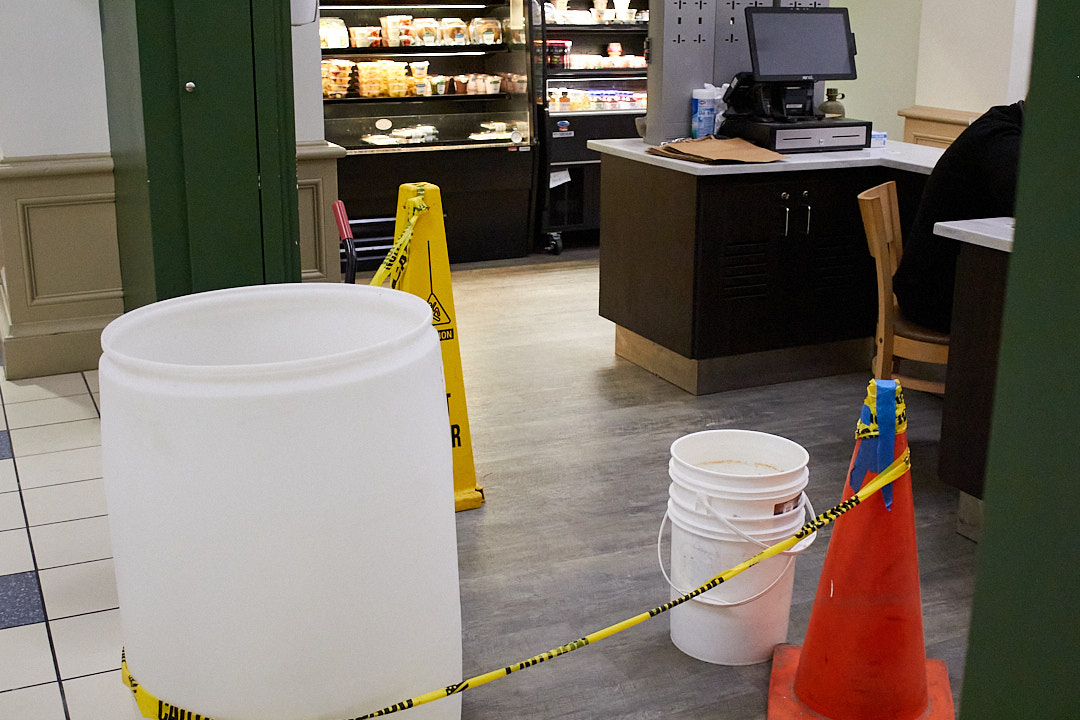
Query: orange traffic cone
x=864 y=657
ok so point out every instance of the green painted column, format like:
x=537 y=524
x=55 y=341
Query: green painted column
x=200 y=104
x=1024 y=646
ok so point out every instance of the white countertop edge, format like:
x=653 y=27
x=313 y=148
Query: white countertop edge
x=994 y=233
x=899 y=155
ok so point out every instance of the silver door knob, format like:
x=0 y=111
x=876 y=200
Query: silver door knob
x=190 y=87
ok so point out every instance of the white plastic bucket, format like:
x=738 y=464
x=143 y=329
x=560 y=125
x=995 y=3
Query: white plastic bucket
x=720 y=519
x=278 y=470
x=746 y=473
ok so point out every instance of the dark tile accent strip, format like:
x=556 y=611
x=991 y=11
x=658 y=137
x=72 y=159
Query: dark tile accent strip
x=20 y=600
x=5 y=445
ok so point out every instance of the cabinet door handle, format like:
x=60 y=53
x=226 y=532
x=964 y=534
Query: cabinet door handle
x=807 y=218
x=787 y=217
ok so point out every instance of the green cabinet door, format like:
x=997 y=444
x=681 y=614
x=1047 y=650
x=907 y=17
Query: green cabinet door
x=218 y=132
x=200 y=101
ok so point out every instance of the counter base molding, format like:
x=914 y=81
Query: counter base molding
x=61 y=270
x=710 y=375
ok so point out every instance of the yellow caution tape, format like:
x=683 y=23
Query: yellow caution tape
x=149 y=706
x=397 y=260
x=164 y=711
x=867 y=426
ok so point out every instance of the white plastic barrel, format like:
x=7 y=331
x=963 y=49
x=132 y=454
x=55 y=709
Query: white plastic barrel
x=278 y=471
x=732 y=494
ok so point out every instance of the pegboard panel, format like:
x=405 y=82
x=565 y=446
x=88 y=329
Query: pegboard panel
x=693 y=42
x=680 y=60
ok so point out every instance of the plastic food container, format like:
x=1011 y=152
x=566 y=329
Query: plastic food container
x=453 y=31
x=333 y=33
x=395 y=30
x=425 y=31
x=365 y=36
x=485 y=31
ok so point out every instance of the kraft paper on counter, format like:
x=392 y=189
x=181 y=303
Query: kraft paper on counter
x=711 y=151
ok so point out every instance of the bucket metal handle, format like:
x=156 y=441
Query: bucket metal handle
x=712 y=601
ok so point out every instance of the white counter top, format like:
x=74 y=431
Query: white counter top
x=895 y=154
x=994 y=233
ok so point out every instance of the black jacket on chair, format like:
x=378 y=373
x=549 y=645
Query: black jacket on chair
x=975 y=178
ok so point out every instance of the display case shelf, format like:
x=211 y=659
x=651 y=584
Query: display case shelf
x=417 y=51
x=349 y=114
x=396 y=5
x=424 y=147
x=597 y=73
x=435 y=99
x=476 y=148
x=596 y=113
x=600 y=29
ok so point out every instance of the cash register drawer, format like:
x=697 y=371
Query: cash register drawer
x=821 y=138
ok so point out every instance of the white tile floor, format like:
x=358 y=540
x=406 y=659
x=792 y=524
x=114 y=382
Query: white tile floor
x=59 y=622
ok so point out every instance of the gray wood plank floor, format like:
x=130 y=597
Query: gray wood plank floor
x=571 y=446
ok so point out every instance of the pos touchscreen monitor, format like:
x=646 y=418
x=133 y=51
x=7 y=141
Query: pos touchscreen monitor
x=806 y=44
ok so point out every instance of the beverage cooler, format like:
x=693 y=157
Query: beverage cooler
x=590 y=74
x=432 y=93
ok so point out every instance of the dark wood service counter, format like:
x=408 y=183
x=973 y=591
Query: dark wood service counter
x=982 y=271
x=719 y=277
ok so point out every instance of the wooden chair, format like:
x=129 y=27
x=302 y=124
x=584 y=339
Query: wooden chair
x=897 y=337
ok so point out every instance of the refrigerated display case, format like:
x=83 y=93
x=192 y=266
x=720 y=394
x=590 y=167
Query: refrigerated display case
x=432 y=93
x=591 y=63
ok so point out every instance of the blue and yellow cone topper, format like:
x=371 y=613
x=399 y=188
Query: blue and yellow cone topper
x=884 y=399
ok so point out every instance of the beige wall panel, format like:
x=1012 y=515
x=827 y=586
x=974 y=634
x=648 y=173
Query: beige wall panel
x=60 y=270
x=58 y=232
x=313 y=260
x=316 y=170
x=69 y=248
x=60 y=280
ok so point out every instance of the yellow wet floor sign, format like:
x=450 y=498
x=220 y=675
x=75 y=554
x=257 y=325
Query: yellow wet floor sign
x=418 y=264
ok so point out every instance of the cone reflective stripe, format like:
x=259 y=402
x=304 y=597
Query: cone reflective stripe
x=864 y=656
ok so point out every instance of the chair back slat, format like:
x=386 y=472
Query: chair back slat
x=881 y=219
